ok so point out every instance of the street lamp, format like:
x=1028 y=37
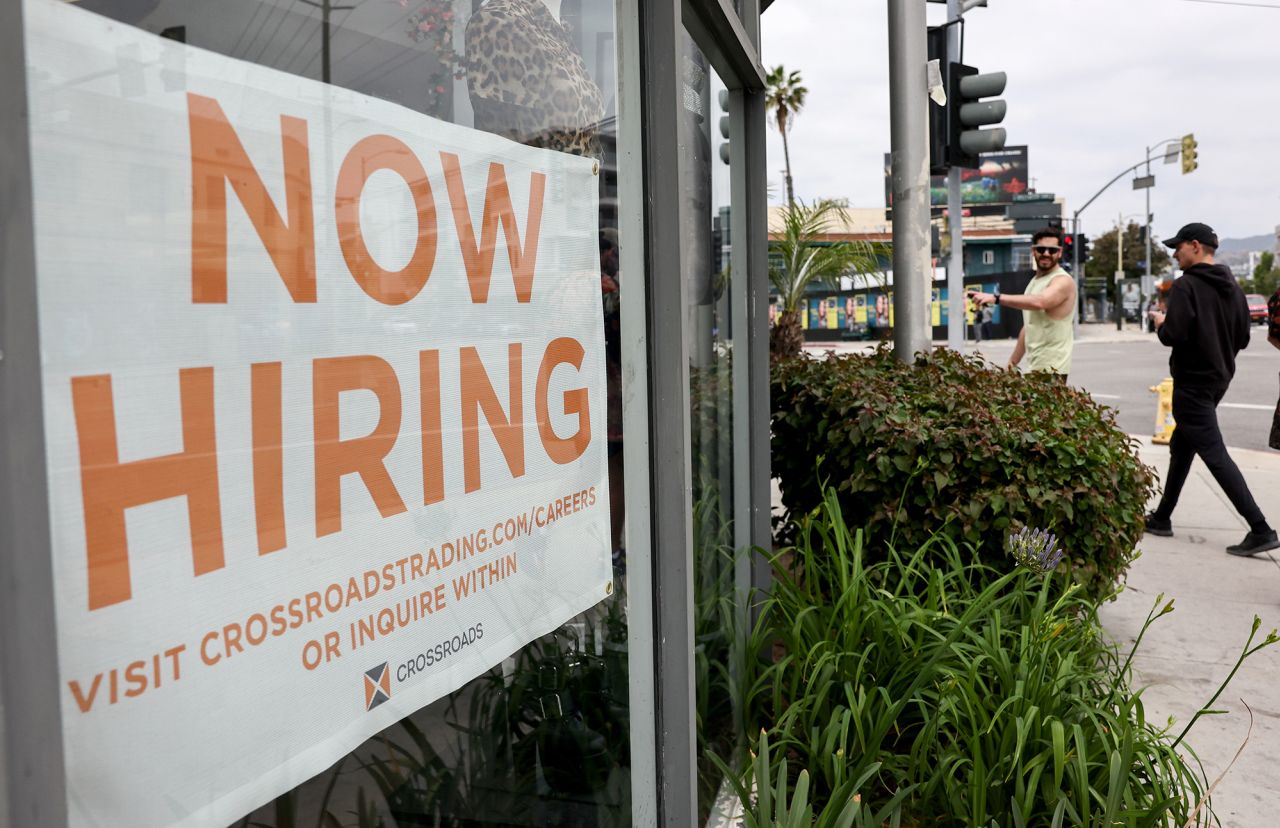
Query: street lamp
x=1147 y=182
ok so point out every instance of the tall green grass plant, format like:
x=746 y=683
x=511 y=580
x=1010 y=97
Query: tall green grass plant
x=954 y=693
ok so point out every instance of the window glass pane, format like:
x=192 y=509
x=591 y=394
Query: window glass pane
x=706 y=248
x=541 y=738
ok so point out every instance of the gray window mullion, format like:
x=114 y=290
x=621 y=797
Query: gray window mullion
x=29 y=685
x=671 y=516
x=724 y=39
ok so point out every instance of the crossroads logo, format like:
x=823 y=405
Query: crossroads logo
x=377 y=686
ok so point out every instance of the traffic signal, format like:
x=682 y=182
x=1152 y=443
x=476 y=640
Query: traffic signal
x=1068 y=248
x=937 y=42
x=955 y=139
x=1082 y=247
x=724 y=125
x=1189 y=162
x=967 y=111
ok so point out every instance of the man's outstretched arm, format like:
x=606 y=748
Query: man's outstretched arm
x=1058 y=291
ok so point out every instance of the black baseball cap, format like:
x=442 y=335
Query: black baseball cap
x=1195 y=231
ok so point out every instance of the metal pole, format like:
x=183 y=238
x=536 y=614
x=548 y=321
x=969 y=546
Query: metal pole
x=909 y=143
x=1119 y=272
x=1075 y=268
x=1148 y=192
x=326 y=9
x=955 y=263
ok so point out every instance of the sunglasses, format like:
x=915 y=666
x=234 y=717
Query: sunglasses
x=1045 y=251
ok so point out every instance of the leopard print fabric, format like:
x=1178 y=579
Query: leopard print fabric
x=527 y=81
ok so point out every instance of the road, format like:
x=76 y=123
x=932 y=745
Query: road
x=1119 y=373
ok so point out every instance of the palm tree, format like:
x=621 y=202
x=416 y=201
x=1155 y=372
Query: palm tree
x=798 y=259
x=784 y=96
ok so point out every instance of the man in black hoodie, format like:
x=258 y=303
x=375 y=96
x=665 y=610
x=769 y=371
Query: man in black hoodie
x=1206 y=324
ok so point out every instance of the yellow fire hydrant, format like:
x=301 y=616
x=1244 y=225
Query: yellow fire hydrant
x=1164 y=412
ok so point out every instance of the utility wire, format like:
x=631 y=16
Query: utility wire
x=367 y=78
x=1235 y=3
x=257 y=11
x=288 y=10
x=301 y=27
x=398 y=21
x=273 y=7
x=302 y=50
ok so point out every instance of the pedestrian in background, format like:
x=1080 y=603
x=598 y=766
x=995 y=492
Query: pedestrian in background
x=1273 y=336
x=1049 y=301
x=1206 y=324
x=976 y=324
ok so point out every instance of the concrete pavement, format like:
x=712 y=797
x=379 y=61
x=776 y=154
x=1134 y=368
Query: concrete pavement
x=1187 y=653
x=1092 y=333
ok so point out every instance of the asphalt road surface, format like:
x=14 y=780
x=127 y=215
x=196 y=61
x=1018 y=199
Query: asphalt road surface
x=1120 y=374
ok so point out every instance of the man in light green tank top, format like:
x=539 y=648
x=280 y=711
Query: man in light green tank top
x=1047 y=334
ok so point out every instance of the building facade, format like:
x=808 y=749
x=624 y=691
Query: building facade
x=383 y=410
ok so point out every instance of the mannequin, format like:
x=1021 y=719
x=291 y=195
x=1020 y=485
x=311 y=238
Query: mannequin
x=527 y=80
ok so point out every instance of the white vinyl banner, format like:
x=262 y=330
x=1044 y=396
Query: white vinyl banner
x=324 y=399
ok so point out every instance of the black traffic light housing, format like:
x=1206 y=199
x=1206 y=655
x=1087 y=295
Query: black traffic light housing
x=724 y=126
x=967 y=111
x=955 y=139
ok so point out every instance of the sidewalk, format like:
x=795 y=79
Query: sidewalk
x=1187 y=653
x=1098 y=333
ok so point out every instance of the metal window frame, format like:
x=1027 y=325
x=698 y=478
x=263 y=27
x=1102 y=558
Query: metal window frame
x=668 y=772
x=641 y=652
x=29 y=697
x=658 y=97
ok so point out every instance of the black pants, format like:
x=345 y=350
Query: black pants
x=1195 y=410
x=1274 y=438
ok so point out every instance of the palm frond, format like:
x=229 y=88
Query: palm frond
x=800 y=257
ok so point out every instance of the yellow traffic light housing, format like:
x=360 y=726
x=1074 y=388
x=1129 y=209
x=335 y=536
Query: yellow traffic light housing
x=1189 y=162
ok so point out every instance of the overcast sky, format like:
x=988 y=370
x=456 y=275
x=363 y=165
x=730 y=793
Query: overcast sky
x=1092 y=83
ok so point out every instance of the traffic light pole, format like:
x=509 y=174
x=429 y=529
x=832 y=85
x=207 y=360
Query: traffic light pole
x=1148 y=189
x=909 y=144
x=955 y=262
x=1075 y=267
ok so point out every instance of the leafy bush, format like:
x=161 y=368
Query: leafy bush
x=950 y=446
x=950 y=692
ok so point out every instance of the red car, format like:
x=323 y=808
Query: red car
x=1257 y=308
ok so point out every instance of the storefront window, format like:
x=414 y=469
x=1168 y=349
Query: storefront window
x=709 y=285
x=378 y=118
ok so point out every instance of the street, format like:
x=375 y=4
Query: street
x=1118 y=369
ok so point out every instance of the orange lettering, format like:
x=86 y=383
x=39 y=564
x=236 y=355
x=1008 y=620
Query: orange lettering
x=382 y=152
x=335 y=457
x=110 y=486
x=85 y=703
x=268 y=456
x=561 y=351
x=432 y=433
x=218 y=157
x=478 y=395
x=478 y=259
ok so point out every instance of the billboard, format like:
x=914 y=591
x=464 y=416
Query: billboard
x=300 y=482
x=987 y=190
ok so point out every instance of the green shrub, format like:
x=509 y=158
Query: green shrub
x=952 y=692
x=950 y=446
